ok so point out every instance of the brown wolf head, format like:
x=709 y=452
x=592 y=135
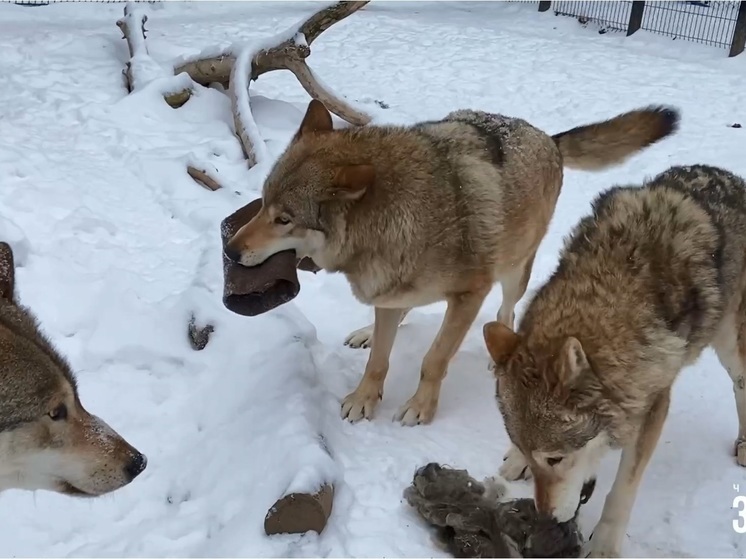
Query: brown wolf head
x=312 y=172
x=47 y=438
x=548 y=397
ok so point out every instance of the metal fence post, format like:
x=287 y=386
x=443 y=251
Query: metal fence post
x=635 y=17
x=739 y=33
x=544 y=6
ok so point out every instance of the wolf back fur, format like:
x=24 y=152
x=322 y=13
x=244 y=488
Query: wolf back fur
x=436 y=211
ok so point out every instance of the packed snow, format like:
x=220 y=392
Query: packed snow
x=117 y=246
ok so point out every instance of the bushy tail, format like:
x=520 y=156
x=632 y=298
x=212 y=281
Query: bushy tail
x=7 y=273
x=603 y=144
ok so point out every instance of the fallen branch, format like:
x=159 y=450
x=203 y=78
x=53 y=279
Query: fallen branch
x=237 y=67
x=132 y=26
x=207 y=68
x=202 y=177
x=318 y=90
x=176 y=100
x=243 y=120
x=141 y=69
x=215 y=64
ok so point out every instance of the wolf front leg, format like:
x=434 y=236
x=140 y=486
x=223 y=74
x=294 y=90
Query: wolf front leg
x=363 y=401
x=460 y=314
x=513 y=285
x=363 y=337
x=607 y=537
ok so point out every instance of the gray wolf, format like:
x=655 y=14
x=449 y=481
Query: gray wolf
x=644 y=284
x=48 y=440
x=436 y=211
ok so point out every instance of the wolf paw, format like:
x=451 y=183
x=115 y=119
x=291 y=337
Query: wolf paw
x=603 y=542
x=514 y=466
x=360 y=404
x=597 y=551
x=740 y=451
x=360 y=338
x=416 y=411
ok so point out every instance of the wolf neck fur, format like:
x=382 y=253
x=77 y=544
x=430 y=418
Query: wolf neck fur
x=392 y=226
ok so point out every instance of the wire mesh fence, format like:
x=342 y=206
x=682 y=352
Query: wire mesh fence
x=710 y=23
x=719 y=23
x=610 y=15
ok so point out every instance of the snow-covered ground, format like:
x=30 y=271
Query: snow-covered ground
x=118 y=246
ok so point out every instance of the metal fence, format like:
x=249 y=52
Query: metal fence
x=612 y=16
x=711 y=23
x=718 y=23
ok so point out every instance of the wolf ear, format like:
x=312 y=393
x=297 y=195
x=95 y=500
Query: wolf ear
x=7 y=273
x=350 y=182
x=317 y=120
x=572 y=362
x=500 y=340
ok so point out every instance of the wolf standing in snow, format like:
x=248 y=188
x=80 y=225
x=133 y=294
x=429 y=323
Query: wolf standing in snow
x=655 y=275
x=436 y=211
x=47 y=439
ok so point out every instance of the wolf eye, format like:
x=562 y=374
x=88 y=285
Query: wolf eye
x=554 y=461
x=59 y=413
x=282 y=220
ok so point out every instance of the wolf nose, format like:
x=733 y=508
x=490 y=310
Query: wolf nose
x=136 y=466
x=232 y=254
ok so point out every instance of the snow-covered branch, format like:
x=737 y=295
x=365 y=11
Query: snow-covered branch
x=318 y=90
x=142 y=69
x=212 y=65
x=234 y=67
x=286 y=50
x=245 y=126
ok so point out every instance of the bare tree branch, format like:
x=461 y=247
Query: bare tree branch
x=204 y=71
x=202 y=177
x=317 y=90
x=324 y=19
x=132 y=26
x=216 y=66
x=285 y=51
x=141 y=69
x=235 y=68
x=243 y=120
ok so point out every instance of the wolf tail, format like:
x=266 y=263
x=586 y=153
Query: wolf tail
x=7 y=273
x=603 y=144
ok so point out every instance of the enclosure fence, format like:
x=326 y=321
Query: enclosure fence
x=718 y=23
